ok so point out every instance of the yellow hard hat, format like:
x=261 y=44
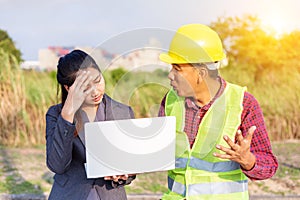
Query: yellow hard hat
x=194 y=43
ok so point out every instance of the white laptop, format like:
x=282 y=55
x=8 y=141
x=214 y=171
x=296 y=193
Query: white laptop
x=130 y=146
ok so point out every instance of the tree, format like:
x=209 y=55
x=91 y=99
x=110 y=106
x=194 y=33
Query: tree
x=247 y=43
x=8 y=46
x=268 y=65
x=117 y=74
x=290 y=48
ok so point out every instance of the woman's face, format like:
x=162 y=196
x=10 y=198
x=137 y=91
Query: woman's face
x=98 y=85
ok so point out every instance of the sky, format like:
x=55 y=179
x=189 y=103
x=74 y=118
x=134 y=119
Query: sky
x=37 y=24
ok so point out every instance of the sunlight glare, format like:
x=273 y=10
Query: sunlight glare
x=275 y=25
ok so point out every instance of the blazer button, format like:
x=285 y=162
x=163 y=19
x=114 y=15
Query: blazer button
x=65 y=132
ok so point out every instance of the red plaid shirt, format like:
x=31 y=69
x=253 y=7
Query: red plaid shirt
x=266 y=163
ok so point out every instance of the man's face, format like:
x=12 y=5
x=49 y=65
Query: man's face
x=183 y=79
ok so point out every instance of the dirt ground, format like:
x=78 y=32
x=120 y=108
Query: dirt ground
x=27 y=165
x=286 y=181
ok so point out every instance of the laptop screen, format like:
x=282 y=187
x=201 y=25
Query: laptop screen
x=130 y=146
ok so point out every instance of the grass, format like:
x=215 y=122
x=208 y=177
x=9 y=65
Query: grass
x=148 y=183
x=40 y=87
x=23 y=170
x=276 y=94
x=34 y=92
x=13 y=186
x=143 y=91
x=288 y=155
x=286 y=181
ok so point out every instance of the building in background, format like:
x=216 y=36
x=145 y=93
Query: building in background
x=48 y=57
x=143 y=59
x=31 y=65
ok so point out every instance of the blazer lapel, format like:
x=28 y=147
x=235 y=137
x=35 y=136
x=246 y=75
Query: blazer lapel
x=111 y=109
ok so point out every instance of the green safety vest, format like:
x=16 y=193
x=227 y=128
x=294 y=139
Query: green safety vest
x=199 y=174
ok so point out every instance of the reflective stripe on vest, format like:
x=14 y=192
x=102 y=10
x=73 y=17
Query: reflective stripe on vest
x=176 y=187
x=218 y=188
x=181 y=162
x=213 y=167
x=207 y=166
x=208 y=188
x=199 y=174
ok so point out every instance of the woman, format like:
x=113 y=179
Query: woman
x=83 y=100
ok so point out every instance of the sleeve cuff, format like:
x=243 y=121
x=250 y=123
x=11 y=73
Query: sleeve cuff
x=67 y=122
x=252 y=173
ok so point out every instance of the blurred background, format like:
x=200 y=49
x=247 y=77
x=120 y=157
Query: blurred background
x=261 y=39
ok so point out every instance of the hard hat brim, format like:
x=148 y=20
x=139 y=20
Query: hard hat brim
x=171 y=58
x=165 y=57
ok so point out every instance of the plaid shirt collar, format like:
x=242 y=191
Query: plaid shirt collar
x=191 y=104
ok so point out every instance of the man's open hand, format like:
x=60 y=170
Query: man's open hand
x=239 y=151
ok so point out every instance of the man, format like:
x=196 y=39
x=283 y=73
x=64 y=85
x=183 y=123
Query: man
x=221 y=135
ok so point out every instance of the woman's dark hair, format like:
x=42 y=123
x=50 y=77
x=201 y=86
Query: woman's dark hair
x=68 y=67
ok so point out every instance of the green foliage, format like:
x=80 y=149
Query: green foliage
x=247 y=43
x=12 y=103
x=13 y=186
x=41 y=87
x=151 y=183
x=116 y=74
x=8 y=45
x=8 y=66
x=25 y=97
x=12 y=181
x=141 y=90
x=161 y=73
x=268 y=66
